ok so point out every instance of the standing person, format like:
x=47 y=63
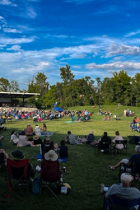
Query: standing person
x=118 y=137
x=29 y=130
x=70 y=139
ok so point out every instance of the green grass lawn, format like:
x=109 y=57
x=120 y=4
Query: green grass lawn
x=86 y=169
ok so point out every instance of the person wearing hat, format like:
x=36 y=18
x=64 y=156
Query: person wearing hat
x=46 y=145
x=70 y=139
x=29 y=130
x=37 y=140
x=90 y=137
x=17 y=155
x=51 y=156
x=123 y=190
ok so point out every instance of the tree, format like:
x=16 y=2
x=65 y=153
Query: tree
x=4 y=84
x=66 y=75
x=14 y=86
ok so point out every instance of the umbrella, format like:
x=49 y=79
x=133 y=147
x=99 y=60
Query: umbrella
x=58 y=109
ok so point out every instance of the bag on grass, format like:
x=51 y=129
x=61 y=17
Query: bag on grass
x=36 y=186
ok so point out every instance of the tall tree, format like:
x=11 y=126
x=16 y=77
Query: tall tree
x=14 y=86
x=4 y=84
x=66 y=75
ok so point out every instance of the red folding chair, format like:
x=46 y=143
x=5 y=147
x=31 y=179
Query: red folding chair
x=17 y=175
x=50 y=174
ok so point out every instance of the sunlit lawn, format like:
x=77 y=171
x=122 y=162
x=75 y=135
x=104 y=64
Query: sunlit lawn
x=86 y=170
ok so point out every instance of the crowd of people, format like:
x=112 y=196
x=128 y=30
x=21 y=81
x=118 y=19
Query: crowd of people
x=52 y=152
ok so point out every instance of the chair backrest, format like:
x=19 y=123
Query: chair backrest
x=124 y=142
x=46 y=147
x=50 y=171
x=104 y=145
x=1 y=158
x=17 y=169
x=123 y=204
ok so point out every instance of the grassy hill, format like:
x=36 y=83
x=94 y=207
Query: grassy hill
x=86 y=170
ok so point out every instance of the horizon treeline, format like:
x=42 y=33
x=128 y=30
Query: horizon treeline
x=120 y=88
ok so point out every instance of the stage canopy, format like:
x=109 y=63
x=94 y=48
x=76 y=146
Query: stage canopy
x=12 y=95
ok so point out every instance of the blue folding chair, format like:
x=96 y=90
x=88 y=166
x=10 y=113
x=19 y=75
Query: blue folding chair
x=116 y=203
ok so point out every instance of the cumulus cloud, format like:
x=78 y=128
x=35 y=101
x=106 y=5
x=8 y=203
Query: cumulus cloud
x=115 y=49
x=118 y=65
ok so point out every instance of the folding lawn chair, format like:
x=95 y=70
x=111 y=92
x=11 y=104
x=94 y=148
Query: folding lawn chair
x=50 y=174
x=17 y=175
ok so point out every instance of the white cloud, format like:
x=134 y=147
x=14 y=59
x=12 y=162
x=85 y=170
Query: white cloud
x=3 y=21
x=11 y=30
x=115 y=49
x=8 y=3
x=15 y=48
x=133 y=33
x=31 y=12
x=125 y=65
x=6 y=41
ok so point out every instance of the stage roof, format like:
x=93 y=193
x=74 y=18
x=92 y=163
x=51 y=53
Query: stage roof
x=17 y=95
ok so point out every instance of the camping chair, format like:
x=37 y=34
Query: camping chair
x=2 y=161
x=117 y=142
x=134 y=170
x=17 y=174
x=46 y=147
x=50 y=174
x=105 y=147
x=115 y=203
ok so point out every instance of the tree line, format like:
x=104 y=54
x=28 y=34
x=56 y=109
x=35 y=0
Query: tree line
x=120 y=88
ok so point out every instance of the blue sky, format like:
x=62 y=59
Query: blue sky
x=94 y=37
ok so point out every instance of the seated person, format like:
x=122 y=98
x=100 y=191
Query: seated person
x=123 y=190
x=81 y=140
x=14 y=137
x=28 y=130
x=51 y=156
x=118 y=137
x=5 y=155
x=129 y=163
x=70 y=139
x=63 y=150
x=37 y=130
x=36 y=140
x=46 y=146
x=50 y=167
x=104 y=138
x=18 y=156
x=2 y=127
x=23 y=140
x=44 y=129
x=90 y=137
